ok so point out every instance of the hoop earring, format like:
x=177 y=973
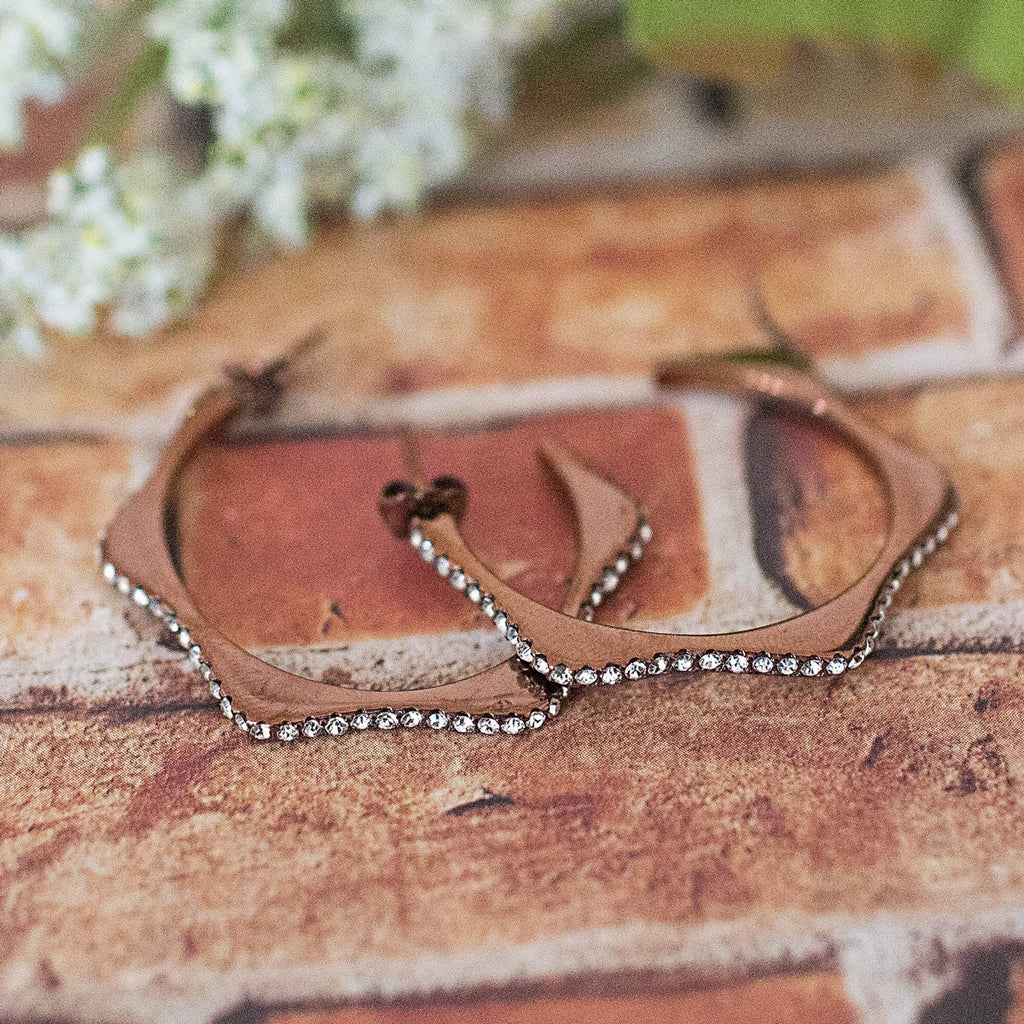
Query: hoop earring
x=136 y=558
x=828 y=640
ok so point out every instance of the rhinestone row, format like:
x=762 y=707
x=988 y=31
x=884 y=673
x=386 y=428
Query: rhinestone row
x=332 y=725
x=763 y=662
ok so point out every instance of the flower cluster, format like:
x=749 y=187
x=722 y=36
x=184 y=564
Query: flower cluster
x=371 y=118
x=39 y=42
x=131 y=239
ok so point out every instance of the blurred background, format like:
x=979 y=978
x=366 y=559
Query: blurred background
x=148 y=145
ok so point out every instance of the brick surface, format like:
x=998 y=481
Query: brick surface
x=159 y=845
x=802 y=999
x=853 y=268
x=1001 y=178
x=157 y=866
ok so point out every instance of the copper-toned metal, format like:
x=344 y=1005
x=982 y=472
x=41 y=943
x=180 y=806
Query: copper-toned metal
x=137 y=548
x=917 y=494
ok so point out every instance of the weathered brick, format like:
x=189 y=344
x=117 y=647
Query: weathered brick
x=850 y=266
x=798 y=999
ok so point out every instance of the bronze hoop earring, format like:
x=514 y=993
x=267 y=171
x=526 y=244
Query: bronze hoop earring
x=136 y=557
x=827 y=640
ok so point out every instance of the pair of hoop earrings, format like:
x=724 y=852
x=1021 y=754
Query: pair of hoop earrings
x=551 y=651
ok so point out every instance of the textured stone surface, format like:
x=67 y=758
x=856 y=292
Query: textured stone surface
x=802 y=999
x=860 y=270
x=713 y=829
x=1001 y=179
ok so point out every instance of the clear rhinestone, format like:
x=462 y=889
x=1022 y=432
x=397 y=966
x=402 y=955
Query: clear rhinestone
x=260 y=731
x=513 y=725
x=622 y=564
x=124 y=585
x=241 y=722
x=109 y=572
x=811 y=667
x=487 y=725
x=953 y=519
x=596 y=597
x=930 y=545
x=682 y=661
x=536 y=719
x=586 y=612
x=609 y=581
x=917 y=557
x=710 y=660
x=487 y=605
x=942 y=534
x=657 y=665
x=473 y=591
x=173 y=626
x=206 y=670
x=585 y=676
x=463 y=723
x=635 y=669
x=225 y=707
x=561 y=675
x=501 y=622
x=787 y=665
x=869 y=645
x=310 y=727
x=858 y=657
x=636 y=551
x=427 y=551
x=646 y=533
x=416 y=537
x=215 y=689
x=287 y=731
x=737 y=662
x=457 y=579
x=512 y=633
x=442 y=565
x=836 y=665
x=140 y=597
x=554 y=706
x=336 y=725
x=411 y=718
x=195 y=656
x=361 y=720
x=437 y=720
x=540 y=664
x=185 y=638
x=386 y=720
x=524 y=652
x=763 y=662
x=611 y=674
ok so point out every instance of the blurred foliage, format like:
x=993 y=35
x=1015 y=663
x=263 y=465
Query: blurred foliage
x=985 y=37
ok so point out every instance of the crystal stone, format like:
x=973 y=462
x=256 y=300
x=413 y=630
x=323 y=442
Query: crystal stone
x=585 y=676
x=635 y=669
x=513 y=725
x=336 y=725
x=487 y=725
x=411 y=718
x=287 y=731
x=437 y=720
x=386 y=720
x=611 y=674
x=463 y=723
x=710 y=660
x=737 y=662
x=682 y=661
x=310 y=727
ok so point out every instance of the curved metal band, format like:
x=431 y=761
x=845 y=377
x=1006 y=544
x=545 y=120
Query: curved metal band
x=918 y=496
x=136 y=557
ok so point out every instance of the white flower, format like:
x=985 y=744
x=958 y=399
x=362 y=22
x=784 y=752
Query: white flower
x=39 y=40
x=131 y=239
